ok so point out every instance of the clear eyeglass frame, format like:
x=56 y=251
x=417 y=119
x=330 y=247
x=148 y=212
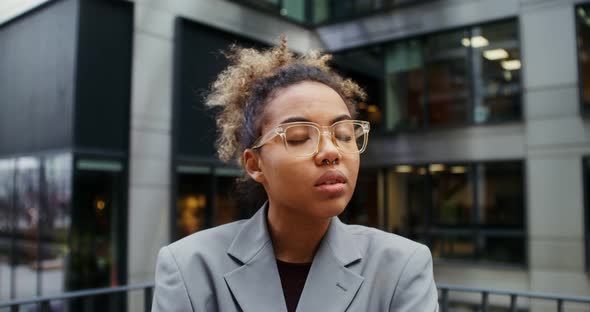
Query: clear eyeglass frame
x=282 y=129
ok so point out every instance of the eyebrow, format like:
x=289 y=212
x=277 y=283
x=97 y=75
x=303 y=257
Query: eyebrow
x=297 y=118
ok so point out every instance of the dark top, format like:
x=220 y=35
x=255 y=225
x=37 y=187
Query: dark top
x=293 y=276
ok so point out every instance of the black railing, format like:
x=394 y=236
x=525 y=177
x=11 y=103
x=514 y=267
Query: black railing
x=44 y=303
x=484 y=303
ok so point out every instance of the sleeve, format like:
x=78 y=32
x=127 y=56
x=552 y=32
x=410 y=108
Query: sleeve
x=170 y=292
x=416 y=290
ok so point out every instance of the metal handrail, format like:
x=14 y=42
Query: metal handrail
x=486 y=292
x=44 y=300
x=445 y=289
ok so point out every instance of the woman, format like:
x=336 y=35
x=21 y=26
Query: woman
x=289 y=121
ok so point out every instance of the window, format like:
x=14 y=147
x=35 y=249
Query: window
x=99 y=224
x=496 y=73
x=583 y=30
x=35 y=199
x=313 y=12
x=447 y=91
x=472 y=211
x=207 y=197
x=56 y=223
x=586 y=184
x=365 y=66
x=7 y=170
x=26 y=221
x=404 y=84
x=460 y=77
x=365 y=206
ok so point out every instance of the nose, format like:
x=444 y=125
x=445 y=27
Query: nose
x=327 y=150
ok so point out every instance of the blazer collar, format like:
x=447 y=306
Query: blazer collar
x=256 y=285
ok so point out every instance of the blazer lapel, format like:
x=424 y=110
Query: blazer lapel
x=331 y=285
x=256 y=285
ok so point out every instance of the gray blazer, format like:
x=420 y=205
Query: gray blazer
x=233 y=268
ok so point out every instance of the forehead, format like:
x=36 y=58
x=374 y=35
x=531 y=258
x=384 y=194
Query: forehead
x=310 y=100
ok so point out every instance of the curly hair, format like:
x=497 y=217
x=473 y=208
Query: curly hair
x=244 y=88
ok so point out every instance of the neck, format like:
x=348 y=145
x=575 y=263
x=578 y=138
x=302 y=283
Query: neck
x=295 y=238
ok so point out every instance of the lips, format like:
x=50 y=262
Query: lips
x=332 y=183
x=331 y=177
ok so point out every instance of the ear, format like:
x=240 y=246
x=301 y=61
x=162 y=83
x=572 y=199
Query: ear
x=251 y=163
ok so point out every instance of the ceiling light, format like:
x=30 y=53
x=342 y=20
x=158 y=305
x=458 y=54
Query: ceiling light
x=495 y=54
x=479 y=41
x=458 y=169
x=403 y=169
x=466 y=42
x=476 y=42
x=511 y=65
x=436 y=168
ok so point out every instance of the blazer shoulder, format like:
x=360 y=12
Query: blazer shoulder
x=209 y=241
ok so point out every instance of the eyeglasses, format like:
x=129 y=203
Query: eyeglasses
x=302 y=139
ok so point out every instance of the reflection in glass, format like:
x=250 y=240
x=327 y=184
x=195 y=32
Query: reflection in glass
x=408 y=200
x=496 y=68
x=461 y=210
x=503 y=249
x=583 y=29
x=501 y=194
x=26 y=224
x=453 y=246
x=7 y=167
x=97 y=213
x=227 y=208
x=209 y=197
x=446 y=78
x=294 y=9
x=586 y=175
x=193 y=189
x=365 y=66
x=451 y=194
x=364 y=206
x=56 y=223
x=404 y=85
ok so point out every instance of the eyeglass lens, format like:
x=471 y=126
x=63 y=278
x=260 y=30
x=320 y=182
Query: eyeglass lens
x=303 y=140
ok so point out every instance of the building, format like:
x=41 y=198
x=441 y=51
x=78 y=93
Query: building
x=479 y=144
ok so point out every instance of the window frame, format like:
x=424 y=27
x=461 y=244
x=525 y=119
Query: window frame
x=431 y=230
x=586 y=202
x=584 y=112
x=425 y=124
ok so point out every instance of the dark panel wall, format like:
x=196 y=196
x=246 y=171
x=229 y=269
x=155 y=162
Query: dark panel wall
x=37 y=57
x=197 y=62
x=104 y=75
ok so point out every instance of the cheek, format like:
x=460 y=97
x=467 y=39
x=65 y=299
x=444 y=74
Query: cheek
x=283 y=169
x=353 y=169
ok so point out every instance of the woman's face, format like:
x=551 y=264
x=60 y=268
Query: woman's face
x=304 y=186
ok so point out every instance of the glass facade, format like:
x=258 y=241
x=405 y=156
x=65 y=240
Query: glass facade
x=583 y=35
x=207 y=197
x=472 y=211
x=35 y=198
x=461 y=77
x=62 y=227
x=586 y=185
x=365 y=67
x=313 y=12
x=56 y=223
x=366 y=204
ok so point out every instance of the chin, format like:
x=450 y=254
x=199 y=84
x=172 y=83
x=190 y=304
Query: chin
x=331 y=208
